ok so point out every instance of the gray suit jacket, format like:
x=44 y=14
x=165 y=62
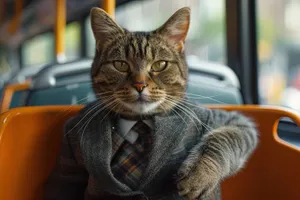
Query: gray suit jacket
x=84 y=166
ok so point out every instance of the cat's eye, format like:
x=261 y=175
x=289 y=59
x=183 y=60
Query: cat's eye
x=159 y=66
x=121 y=66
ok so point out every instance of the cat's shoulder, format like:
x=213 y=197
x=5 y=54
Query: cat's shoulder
x=198 y=108
x=88 y=107
x=203 y=111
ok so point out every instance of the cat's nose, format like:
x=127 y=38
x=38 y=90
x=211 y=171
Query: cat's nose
x=140 y=86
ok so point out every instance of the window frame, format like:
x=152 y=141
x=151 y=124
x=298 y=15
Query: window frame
x=80 y=37
x=21 y=47
x=241 y=38
x=51 y=30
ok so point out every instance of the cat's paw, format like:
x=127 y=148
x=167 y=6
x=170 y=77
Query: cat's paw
x=186 y=167
x=200 y=181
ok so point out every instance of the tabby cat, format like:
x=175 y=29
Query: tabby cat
x=138 y=76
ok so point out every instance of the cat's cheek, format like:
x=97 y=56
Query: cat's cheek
x=168 y=80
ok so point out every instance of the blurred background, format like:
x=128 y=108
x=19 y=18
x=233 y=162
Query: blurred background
x=277 y=28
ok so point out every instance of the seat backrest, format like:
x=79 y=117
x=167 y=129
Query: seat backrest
x=27 y=73
x=8 y=95
x=69 y=83
x=19 y=98
x=28 y=156
x=212 y=83
x=18 y=82
x=30 y=140
x=16 y=93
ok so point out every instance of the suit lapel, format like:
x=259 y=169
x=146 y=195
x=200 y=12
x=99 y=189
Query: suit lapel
x=169 y=131
x=96 y=145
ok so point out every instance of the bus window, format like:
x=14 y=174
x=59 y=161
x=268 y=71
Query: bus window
x=279 y=52
x=72 y=39
x=38 y=50
x=4 y=66
x=206 y=37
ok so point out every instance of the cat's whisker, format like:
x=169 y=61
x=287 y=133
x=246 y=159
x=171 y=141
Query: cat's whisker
x=85 y=125
x=169 y=107
x=208 y=128
x=106 y=105
x=94 y=107
x=191 y=96
x=178 y=114
x=83 y=118
x=180 y=104
x=185 y=111
x=188 y=102
x=115 y=103
x=184 y=100
x=103 y=93
x=198 y=95
x=69 y=108
x=217 y=101
x=118 y=109
x=83 y=99
x=162 y=107
x=218 y=86
x=89 y=120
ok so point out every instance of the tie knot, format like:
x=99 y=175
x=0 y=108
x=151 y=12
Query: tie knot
x=141 y=128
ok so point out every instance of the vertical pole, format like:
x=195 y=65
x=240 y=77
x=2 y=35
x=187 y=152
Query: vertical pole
x=16 y=21
x=2 y=9
x=109 y=6
x=60 y=25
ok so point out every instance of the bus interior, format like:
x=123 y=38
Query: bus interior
x=242 y=56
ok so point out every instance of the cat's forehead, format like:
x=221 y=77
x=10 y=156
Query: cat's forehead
x=137 y=37
x=141 y=46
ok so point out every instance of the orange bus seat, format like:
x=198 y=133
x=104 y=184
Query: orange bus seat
x=30 y=142
x=8 y=93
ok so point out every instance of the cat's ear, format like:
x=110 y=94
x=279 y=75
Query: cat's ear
x=176 y=28
x=104 y=27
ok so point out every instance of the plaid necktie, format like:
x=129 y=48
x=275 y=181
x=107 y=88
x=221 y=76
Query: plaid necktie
x=130 y=161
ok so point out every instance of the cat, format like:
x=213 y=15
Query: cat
x=139 y=76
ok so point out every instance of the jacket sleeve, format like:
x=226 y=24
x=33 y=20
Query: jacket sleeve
x=69 y=178
x=229 y=139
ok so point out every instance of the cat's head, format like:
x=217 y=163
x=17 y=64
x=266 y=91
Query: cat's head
x=139 y=73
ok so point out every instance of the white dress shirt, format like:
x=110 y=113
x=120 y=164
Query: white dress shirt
x=125 y=129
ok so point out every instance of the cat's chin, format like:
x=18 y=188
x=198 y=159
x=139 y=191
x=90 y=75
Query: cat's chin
x=142 y=107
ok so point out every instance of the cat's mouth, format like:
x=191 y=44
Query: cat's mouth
x=142 y=99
